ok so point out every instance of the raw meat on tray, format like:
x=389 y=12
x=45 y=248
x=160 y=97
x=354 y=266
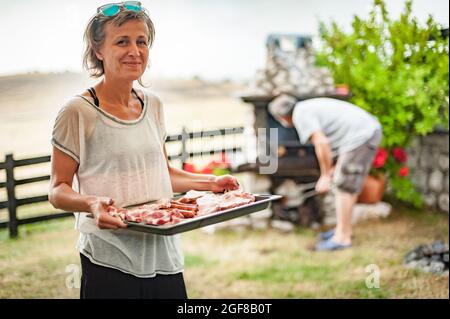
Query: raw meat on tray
x=210 y=203
x=192 y=196
x=192 y=204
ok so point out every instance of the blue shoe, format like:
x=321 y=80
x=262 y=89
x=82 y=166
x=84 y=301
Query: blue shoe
x=327 y=235
x=330 y=245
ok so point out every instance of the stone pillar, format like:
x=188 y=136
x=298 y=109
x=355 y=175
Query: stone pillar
x=429 y=160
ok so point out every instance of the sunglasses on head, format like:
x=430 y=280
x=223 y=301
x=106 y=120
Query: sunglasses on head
x=112 y=9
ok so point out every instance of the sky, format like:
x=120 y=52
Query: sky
x=213 y=39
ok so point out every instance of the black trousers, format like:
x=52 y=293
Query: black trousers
x=108 y=283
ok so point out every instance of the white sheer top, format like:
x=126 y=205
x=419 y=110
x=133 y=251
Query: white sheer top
x=124 y=160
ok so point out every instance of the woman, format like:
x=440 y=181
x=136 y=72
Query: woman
x=108 y=148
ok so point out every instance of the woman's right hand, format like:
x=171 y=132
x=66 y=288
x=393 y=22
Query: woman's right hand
x=99 y=210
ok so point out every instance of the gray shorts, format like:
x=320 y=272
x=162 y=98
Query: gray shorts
x=353 y=167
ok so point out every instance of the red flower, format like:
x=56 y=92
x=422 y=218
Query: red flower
x=206 y=170
x=403 y=171
x=221 y=162
x=188 y=167
x=380 y=158
x=400 y=155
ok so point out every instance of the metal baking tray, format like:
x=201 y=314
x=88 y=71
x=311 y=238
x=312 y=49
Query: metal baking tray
x=261 y=202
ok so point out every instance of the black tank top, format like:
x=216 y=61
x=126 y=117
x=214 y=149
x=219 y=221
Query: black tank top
x=92 y=92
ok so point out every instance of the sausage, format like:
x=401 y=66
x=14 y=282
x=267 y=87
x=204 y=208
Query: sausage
x=183 y=206
x=187 y=213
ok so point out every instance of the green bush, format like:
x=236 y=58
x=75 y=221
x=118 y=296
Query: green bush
x=396 y=73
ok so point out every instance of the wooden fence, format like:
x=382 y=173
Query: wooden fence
x=11 y=182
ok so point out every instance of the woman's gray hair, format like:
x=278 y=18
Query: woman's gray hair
x=94 y=36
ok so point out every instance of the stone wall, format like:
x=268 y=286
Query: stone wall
x=429 y=162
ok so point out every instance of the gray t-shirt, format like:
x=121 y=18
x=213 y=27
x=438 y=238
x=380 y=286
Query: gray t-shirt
x=346 y=125
x=124 y=160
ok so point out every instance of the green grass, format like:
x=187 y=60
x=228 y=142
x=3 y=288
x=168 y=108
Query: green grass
x=198 y=261
x=282 y=273
x=249 y=264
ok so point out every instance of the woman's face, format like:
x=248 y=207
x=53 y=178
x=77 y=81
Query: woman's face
x=124 y=51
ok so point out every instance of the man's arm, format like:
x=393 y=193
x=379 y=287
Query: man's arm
x=323 y=153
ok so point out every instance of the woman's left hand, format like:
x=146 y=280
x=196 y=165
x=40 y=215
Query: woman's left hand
x=224 y=183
